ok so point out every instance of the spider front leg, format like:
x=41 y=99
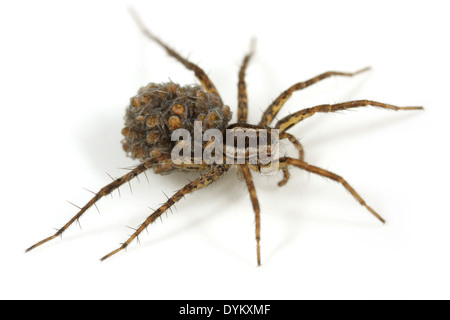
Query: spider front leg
x=242 y=88
x=255 y=203
x=286 y=161
x=199 y=183
x=199 y=73
x=103 y=192
x=276 y=105
x=291 y=120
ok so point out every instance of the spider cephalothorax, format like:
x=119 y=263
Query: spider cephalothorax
x=160 y=109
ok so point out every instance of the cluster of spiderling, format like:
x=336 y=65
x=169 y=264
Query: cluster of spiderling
x=159 y=109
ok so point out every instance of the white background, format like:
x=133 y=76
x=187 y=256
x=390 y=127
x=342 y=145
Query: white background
x=67 y=71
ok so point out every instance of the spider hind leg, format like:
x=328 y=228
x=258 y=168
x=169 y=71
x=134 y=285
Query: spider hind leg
x=100 y=194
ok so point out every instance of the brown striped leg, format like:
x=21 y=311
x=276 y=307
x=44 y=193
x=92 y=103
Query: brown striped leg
x=242 y=88
x=295 y=142
x=298 y=145
x=291 y=120
x=199 y=73
x=276 y=105
x=286 y=176
x=199 y=183
x=324 y=173
x=256 y=209
x=103 y=192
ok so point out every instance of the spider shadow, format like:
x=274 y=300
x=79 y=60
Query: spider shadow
x=223 y=192
x=294 y=222
x=100 y=143
x=101 y=146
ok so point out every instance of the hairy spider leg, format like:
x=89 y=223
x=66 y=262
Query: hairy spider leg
x=199 y=73
x=242 y=87
x=100 y=194
x=242 y=118
x=252 y=190
x=286 y=161
x=276 y=105
x=292 y=119
x=298 y=145
x=201 y=182
x=255 y=203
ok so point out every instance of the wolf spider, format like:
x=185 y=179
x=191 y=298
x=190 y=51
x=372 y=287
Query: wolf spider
x=158 y=109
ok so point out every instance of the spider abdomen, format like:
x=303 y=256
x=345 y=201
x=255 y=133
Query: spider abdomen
x=159 y=109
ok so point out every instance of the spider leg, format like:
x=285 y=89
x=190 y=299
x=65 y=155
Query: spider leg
x=197 y=184
x=199 y=73
x=276 y=105
x=291 y=120
x=252 y=191
x=286 y=177
x=242 y=118
x=295 y=142
x=100 y=194
x=242 y=88
x=324 y=173
x=298 y=145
